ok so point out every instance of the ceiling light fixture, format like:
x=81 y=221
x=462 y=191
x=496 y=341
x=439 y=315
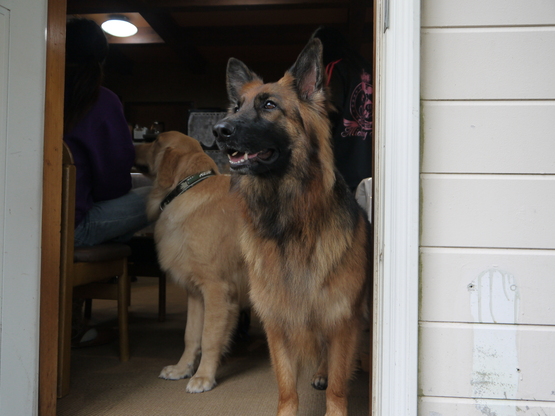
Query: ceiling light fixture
x=119 y=25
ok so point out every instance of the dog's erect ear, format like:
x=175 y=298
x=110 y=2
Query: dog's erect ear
x=167 y=171
x=308 y=70
x=238 y=74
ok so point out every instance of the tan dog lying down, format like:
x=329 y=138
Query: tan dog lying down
x=196 y=237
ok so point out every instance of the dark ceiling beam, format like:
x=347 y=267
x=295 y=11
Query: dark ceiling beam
x=175 y=37
x=125 y=6
x=98 y=6
x=251 y=35
x=169 y=30
x=160 y=20
x=185 y=41
x=211 y=4
x=285 y=35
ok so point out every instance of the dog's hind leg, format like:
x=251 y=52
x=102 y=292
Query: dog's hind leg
x=341 y=362
x=286 y=368
x=185 y=368
x=218 y=311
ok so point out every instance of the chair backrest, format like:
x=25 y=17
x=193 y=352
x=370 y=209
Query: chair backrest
x=68 y=211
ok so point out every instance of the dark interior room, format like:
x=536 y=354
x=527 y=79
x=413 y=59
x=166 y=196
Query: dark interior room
x=176 y=62
x=174 y=66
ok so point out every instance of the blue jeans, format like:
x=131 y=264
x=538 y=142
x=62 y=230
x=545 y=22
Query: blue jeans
x=114 y=220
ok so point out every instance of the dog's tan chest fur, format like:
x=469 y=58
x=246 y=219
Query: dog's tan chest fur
x=304 y=285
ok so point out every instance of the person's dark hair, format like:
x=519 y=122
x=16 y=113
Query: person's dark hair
x=86 y=51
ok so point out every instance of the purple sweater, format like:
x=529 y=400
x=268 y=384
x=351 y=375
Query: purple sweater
x=103 y=152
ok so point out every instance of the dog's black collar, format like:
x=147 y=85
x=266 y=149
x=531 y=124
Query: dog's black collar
x=185 y=185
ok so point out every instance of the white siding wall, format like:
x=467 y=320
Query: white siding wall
x=487 y=315
x=22 y=100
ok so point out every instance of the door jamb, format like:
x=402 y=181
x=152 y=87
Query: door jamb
x=51 y=206
x=396 y=207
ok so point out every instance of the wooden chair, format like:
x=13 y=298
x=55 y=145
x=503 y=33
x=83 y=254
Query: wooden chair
x=143 y=261
x=84 y=274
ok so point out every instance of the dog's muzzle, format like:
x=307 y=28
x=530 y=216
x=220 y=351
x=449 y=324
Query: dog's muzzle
x=243 y=157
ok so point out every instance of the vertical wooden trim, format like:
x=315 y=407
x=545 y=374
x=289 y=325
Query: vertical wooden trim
x=51 y=206
x=396 y=207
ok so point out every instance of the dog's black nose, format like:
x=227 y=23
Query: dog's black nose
x=223 y=130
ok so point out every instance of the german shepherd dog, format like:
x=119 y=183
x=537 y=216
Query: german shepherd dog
x=305 y=239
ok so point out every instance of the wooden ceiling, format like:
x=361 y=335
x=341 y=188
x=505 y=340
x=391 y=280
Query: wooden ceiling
x=200 y=33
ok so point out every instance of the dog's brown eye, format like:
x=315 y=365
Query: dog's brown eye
x=236 y=108
x=269 y=105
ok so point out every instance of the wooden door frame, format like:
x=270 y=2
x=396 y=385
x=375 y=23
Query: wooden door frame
x=51 y=206
x=401 y=378
x=396 y=207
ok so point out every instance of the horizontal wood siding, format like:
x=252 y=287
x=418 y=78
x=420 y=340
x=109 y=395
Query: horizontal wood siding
x=508 y=211
x=487 y=315
x=489 y=63
x=475 y=13
x=437 y=406
x=500 y=361
x=488 y=136
x=504 y=286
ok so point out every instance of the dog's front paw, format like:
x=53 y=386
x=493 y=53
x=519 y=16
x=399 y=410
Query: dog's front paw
x=173 y=372
x=200 y=384
x=319 y=382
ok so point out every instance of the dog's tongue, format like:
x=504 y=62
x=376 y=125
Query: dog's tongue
x=240 y=157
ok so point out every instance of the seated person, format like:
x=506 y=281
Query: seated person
x=97 y=133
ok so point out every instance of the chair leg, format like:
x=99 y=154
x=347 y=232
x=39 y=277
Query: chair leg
x=162 y=297
x=64 y=339
x=123 y=314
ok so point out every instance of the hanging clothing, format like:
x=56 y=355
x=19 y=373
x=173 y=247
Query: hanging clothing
x=351 y=89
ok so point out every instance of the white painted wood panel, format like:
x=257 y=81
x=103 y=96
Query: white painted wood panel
x=488 y=286
x=442 y=13
x=496 y=211
x=488 y=63
x=22 y=199
x=4 y=50
x=488 y=136
x=396 y=202
x=436 y=406
x=487 y=361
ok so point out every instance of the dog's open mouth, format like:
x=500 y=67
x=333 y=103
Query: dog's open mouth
x=239 y=159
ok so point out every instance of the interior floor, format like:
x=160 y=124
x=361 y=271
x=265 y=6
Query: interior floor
x=101 y=385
